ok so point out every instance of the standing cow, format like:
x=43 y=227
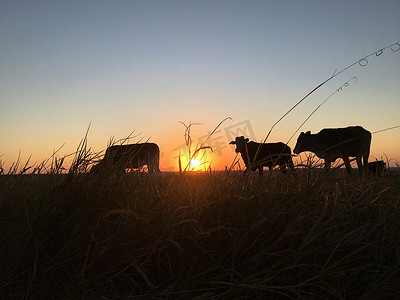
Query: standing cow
x=268 y=155
x=333 y=143
x=134 y=156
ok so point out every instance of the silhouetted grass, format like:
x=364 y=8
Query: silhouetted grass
x=208 y=235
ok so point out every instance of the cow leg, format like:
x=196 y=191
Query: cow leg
x=365 y=163
x=153 y=167
x=291 y=164
x=327 y=164
x=260 y=170
x=291 y=167
x=360 y=165
x=347 y=164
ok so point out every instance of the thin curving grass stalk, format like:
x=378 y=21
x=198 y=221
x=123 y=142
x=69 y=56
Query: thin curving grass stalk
x=395 y=47
x=194 y=154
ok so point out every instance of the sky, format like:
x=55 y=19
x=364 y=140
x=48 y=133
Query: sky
x=148 y=66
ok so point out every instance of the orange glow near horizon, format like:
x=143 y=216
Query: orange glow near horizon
x=385 y=146
x=194 y=161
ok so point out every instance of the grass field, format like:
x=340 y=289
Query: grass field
x=217 y=235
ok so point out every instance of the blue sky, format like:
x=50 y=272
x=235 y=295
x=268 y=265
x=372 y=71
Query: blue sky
x=146 y=65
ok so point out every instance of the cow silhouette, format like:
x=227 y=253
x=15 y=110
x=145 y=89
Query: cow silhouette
x=333 y=143
x=134 y=156
x=259 y=155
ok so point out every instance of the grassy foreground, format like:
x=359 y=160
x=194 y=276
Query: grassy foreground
x=208 y=235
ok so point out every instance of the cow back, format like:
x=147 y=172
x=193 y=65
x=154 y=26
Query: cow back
x=269 y=153
x=350 y=141
x=134 y=156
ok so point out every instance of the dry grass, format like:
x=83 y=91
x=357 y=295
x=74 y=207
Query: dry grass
x=208 y=235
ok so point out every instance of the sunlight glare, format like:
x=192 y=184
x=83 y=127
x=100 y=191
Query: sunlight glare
x=196 y=164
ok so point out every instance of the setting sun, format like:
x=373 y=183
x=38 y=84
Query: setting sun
x=194 y=162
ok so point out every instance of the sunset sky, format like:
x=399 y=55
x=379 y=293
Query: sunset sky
x=146 y=66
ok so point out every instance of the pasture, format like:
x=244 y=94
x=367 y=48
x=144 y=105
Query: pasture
x=206 y=235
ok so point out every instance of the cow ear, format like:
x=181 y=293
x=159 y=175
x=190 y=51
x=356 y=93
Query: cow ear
x=232 y=143
x=246 y=140
x=308 y=133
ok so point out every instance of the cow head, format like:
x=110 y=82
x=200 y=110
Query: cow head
x=240 y=143
x=302 y=142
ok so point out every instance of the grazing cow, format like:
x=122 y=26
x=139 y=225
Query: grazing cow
x=268 y=155
x=134 y=156
x=377 y=167
x=331 y=144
